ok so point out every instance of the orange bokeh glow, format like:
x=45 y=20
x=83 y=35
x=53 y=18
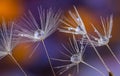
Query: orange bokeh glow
x=10 y=8
x=22 y=52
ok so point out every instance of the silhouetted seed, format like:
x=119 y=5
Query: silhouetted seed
x=110 y=74
x=75 y=58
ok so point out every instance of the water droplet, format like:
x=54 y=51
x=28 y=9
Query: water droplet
x=78 y=19
x=38 y=34
x=103 y=41
x=76 y=58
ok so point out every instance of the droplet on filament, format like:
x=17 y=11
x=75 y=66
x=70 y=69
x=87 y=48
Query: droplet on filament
x=38 y=34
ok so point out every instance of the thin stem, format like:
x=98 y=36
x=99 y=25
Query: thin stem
x=93 y=68
x=103 y=25
x=67 y=50
x=61 y=60
x=48 y=58
x=72 y=46
x=65 y=23
x=63 y=66
x=77 y=68
x=98 y=54
x=113 y=54
x=66 y=69
x=33 y=51
x=64 y=54
x=17 y=64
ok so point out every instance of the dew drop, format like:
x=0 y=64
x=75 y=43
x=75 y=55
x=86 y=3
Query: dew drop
x=38 y=34
x=76 y=58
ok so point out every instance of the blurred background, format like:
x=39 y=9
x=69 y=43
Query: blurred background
x=90 y=11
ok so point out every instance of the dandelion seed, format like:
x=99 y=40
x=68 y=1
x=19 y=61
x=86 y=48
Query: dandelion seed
x=7 y=42
x=79 y=29
x=107 y=29
x=75 y=57
x=29 y=29
x=32 y=31
x=102 y=40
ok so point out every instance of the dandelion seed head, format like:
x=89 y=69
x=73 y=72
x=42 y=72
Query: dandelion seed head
x=103 y=39
x=7 y=42
x=32 y=30
x=78 y=29
x=75 y=57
